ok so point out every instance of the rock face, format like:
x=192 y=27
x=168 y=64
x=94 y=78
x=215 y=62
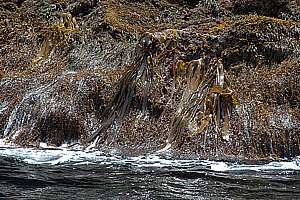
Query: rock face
x=217 y=78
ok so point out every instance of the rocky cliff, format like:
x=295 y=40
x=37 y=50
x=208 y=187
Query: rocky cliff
x=219 y=78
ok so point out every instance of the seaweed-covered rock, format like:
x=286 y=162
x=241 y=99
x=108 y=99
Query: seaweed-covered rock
x=283 y=9
x=216 y=78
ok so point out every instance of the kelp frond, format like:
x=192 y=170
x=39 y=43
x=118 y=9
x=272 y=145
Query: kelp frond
x=139 y=76
x=207 y=101
x=54 y=34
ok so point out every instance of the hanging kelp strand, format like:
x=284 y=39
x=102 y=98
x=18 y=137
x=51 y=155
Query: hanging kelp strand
x=138 y=75
x=207 y=101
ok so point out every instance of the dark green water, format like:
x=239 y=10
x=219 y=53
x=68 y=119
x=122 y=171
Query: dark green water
x=62 y=174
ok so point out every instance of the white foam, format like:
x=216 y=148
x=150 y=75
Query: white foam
x=5 y=144
x=77 y=156
x=282 y=165
x=219 y=167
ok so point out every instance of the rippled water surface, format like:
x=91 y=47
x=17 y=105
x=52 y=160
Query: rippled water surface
x=77 y=174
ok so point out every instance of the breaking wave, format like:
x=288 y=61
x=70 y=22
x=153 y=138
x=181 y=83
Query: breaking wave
x=78 y=155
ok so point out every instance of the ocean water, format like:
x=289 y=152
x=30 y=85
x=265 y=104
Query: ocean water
x=75 y=173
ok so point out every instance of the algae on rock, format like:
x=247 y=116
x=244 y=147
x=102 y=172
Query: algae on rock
x=216 y=78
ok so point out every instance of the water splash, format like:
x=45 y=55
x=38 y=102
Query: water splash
x=78 y=156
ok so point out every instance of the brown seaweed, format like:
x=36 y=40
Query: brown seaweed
x=216 y=78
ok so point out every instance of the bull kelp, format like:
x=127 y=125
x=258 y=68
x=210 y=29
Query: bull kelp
x=215 y=78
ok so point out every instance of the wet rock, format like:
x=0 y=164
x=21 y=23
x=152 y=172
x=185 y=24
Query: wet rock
x=216 y=78
x=279 y=8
